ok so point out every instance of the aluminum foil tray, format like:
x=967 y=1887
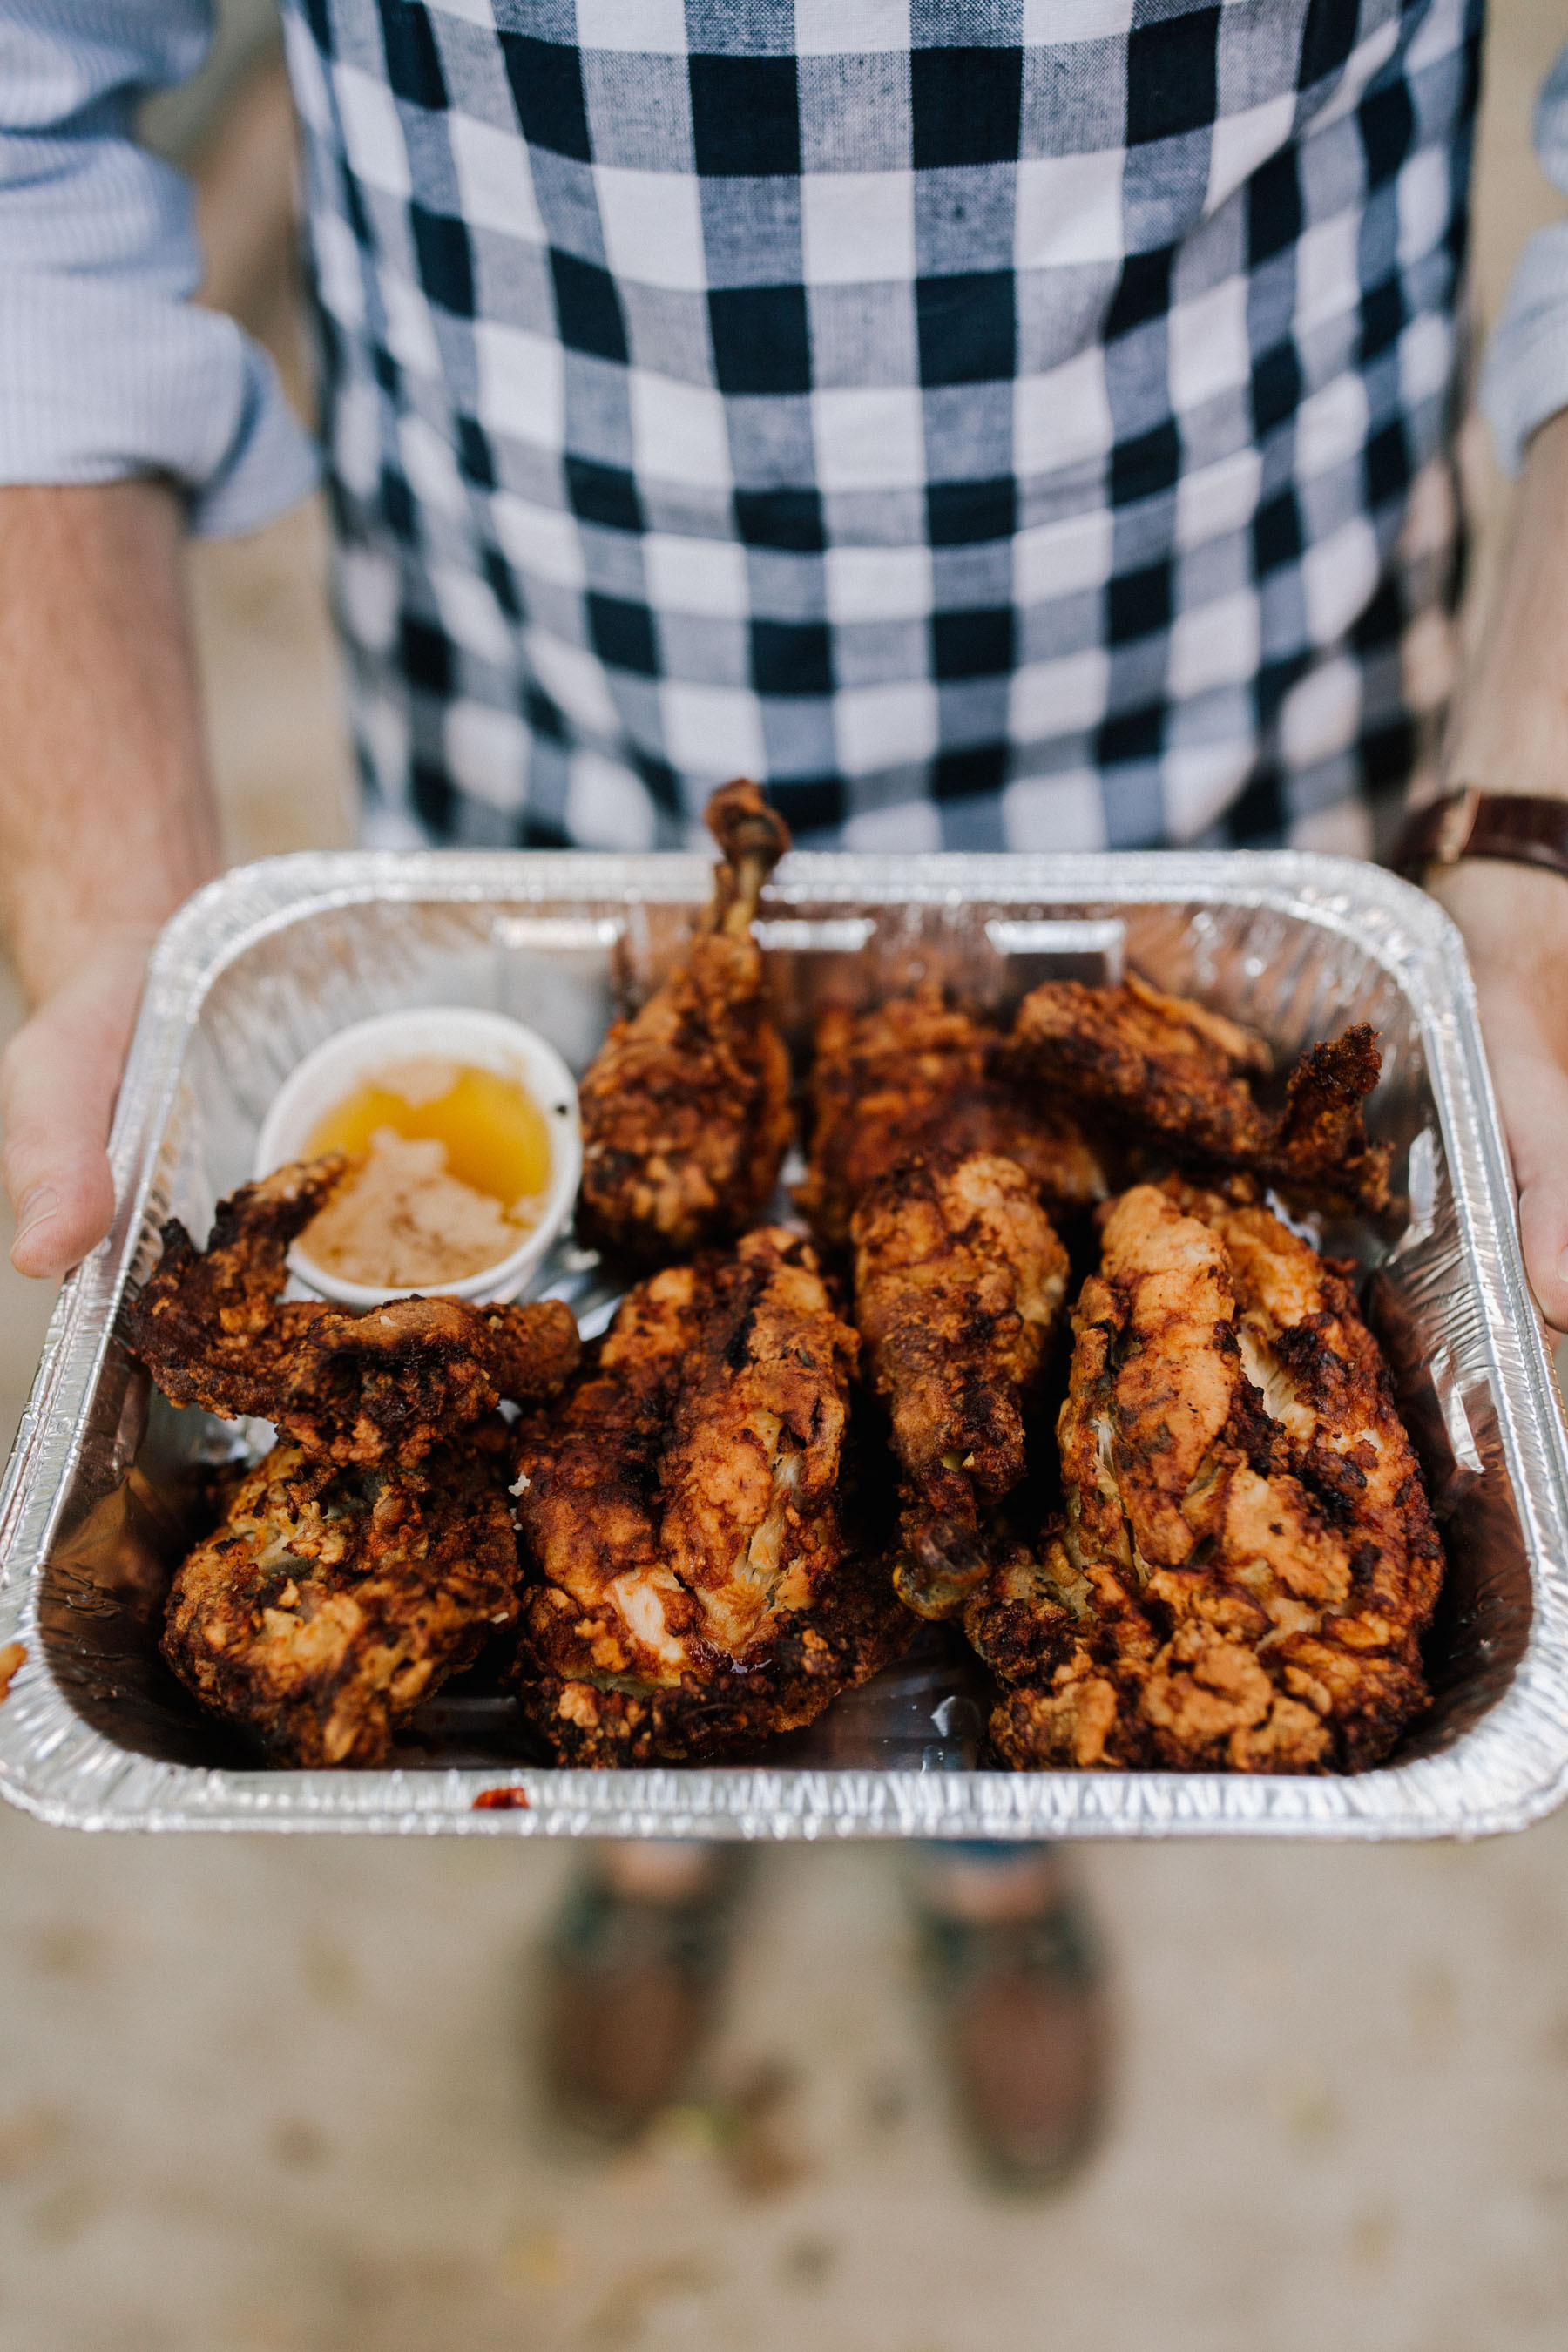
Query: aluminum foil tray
x=264 y=964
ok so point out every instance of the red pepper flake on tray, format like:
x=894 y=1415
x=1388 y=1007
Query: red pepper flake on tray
x=502 y=1800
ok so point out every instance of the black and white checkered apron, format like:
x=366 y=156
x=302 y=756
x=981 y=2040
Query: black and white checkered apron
x=991 y=423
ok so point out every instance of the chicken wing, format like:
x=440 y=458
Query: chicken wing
x=1182 y=1077
x=959 y=1278
x=685 y=1109
x=386 y=1386
x=331 y=1601
x=1247 y=1561
x=916 y=1075
x=685 y=1508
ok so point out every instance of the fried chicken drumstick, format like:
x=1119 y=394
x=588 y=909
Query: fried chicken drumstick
x=959 y=1278
x=1180 y=1077
x=1247 y=1561
x=331 y=1601
x=684 y=1509
x=384 y=1387
x=685 y=1109
x=917 y=1075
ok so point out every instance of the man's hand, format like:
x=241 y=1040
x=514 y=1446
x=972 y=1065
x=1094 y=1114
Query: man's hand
x=106 y=824
x=59 y=1079
x=1515 y=923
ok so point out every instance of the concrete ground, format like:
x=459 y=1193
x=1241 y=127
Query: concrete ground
x=276 y=2096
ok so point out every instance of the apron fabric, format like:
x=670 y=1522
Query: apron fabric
x=991 y=423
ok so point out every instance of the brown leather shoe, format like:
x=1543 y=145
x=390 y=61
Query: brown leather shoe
x=1025 y=2031
x=632 y=1987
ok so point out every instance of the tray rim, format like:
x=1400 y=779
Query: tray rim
x=55 y=1766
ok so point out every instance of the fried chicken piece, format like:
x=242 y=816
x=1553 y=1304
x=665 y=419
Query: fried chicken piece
x=384 y=1386
x=388 y=1385
x=959 y=1278
x=330 y=1602
x=685 y=1108
x=685 y=1509
x=1180 y=1076
x=916 y=1075
x=1249 y=1560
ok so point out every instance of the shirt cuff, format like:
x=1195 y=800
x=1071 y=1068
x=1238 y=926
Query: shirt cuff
x=156 y=386
x=1525 y=378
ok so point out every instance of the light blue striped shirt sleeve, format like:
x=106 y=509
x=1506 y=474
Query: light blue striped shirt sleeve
x=108 y=368
x=1525 y=378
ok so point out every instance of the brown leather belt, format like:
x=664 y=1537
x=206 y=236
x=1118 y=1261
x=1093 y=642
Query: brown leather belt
x=1521 y=829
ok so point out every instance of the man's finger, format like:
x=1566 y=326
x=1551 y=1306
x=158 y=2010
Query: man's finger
x=59 y=1081
x=1543 y=1229
x=56 y=1127
x=1532 y=1096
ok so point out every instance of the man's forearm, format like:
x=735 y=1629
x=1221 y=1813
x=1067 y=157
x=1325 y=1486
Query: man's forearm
x=1510 y=733
x=106 y=824
x=1509 y=726
x=106 y=810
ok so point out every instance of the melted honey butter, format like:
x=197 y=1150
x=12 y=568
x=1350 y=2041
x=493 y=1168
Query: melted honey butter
x=495 y=1133
x=456 y=1159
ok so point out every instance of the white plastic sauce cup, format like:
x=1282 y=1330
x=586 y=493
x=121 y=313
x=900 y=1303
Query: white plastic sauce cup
x=456 y=1033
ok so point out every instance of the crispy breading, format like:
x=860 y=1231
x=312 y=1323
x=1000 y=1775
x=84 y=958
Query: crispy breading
x=685 y=1509
x=1248 y=1561
x=916 y=1075
x=1180 y=1077
x=685 y=1108
x=331 y=1601
x=384 y=1386
x=959 y=1278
